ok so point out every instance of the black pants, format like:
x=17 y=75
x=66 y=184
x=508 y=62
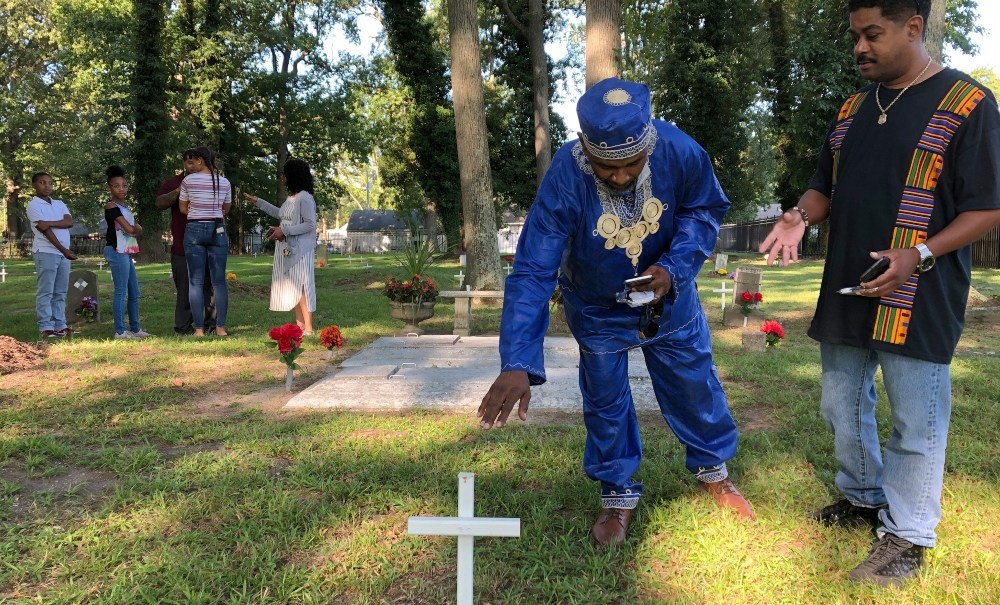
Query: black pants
x=183 y=321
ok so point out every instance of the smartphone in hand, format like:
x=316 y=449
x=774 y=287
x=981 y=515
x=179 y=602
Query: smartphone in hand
x=877 y=268
x=638 y=281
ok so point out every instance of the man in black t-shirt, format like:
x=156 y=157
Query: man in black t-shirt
x=909 y=172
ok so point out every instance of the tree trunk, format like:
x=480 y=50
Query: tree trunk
x=479 y=216
x=540 y=88
x=149 y=110
x=604 y=24
x=934 y=30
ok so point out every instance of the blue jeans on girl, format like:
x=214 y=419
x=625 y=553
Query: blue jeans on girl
x=126 y=289
x=207 y=240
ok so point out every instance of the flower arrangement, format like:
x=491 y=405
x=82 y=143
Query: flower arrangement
x=773 y=332
x=507 y=258
x=722 y=271
x=321 y=263
x=749 y=302
x=331 y=337
x=230 y=276
x=414 y=290
x=87 y=308
x=288 y=340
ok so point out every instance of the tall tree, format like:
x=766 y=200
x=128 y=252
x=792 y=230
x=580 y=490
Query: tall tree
x=421 y=65
x=479 y=216
x=149 y=114
x=604 y=32
x=534 y=34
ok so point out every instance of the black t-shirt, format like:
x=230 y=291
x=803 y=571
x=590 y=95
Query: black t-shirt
x=110 y=215
x=874 y=164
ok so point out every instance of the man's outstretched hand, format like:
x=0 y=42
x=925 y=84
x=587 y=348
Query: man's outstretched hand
x=508 y=389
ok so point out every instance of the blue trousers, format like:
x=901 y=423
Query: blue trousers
x=690 y=397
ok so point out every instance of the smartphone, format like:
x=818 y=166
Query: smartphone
x=877 y=268
x=638 y=281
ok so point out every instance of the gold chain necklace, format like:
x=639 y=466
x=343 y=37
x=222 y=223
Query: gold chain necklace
x=882 y=119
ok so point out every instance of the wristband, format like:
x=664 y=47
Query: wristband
x=803 y=214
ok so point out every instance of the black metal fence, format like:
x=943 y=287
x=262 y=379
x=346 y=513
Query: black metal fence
x=746 y=237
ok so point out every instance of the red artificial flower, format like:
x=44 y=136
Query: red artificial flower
x=746 y=296
x=758 y=297
x=288 y=339
x=331 y=337
x=773 y=331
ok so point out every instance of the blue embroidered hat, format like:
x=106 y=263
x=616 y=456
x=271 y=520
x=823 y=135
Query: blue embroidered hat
x=615 y=119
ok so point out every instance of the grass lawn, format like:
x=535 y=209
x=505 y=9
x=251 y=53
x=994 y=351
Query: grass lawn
x=164 y=471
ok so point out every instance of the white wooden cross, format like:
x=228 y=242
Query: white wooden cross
x=100 y=265
x=723 y=290
x=460 y=277
x=3 y=273
x=466 y=526
x=509 y=268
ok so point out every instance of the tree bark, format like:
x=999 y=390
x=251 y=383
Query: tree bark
x=479 y=216
x=604 y=25
x=934 y=30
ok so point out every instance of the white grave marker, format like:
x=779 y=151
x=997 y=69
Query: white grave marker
x=466 y=526
x=721 y=261
x=3 y=273
x=460 y=277
x=722 y=290
x=509 y=268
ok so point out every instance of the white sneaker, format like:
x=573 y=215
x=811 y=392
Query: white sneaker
x=141 y=334
x=126 y=335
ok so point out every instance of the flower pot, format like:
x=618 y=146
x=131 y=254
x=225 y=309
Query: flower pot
x=412 y=314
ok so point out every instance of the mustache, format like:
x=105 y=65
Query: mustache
x=864 y=59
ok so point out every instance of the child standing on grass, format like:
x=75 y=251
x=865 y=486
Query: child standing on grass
x=121 y=245
x=50 y=222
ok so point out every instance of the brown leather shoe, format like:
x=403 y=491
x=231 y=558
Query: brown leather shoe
x=609 y=530
x=727 y=496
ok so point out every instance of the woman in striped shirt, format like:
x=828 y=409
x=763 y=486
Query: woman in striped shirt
x=205 y=197
x=293 y=283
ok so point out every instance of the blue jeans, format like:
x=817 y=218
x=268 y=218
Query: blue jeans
x=203 y=242
x=52 y=274
x=909 y=475
x=126 y=289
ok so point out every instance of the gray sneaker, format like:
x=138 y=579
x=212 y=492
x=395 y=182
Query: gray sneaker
x=891 y=562
x=126 y=335
x=141 y=334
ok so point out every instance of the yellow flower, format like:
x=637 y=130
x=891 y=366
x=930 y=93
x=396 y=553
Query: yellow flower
x=722 y=272
x=230 y=276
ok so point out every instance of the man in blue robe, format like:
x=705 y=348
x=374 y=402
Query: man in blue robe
x=632 y=197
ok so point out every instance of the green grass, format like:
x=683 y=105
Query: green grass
x=116 y=486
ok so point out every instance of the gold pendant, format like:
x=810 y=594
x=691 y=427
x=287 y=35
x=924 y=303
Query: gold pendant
x=882 y=119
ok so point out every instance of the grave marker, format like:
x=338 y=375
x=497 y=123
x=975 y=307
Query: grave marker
x=466 y=526
x=322 y=254
x=721 y=261
x=748 y=279
x=82 y=283
x=723 y=291
x=3 y=273
x=460 y=277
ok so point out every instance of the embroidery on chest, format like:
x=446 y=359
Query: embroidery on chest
x=627 y=218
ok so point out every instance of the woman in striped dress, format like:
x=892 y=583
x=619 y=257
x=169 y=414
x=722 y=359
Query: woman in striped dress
x=293 y=284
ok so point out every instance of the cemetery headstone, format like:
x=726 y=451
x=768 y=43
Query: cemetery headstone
x=721 y=261
x=747 y=280
x=3 y=273
x=82 y=283
x=322 y=255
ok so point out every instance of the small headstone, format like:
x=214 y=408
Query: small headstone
x=747 y=280
x=461 y=260
x=81 y=283
x=754 y=340
x=721 y=261
x=321 y=255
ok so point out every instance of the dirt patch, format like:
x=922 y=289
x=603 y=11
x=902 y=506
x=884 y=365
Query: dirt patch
x=81 y=484
x=16 y=355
